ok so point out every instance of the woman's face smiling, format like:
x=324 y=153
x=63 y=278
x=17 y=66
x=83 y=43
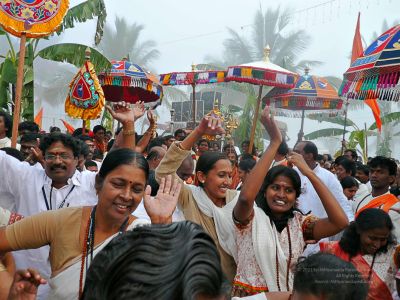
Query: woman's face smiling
x=217 y=181
x=121 y=191
x=280 y=195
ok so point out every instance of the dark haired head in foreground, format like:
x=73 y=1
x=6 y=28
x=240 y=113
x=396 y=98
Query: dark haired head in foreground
x=328 y=277
x=163 y=262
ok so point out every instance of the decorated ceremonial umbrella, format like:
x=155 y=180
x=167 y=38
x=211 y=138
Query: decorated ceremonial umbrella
x=130 y=83
x=85 y=100
x=29 y=19
x=261 y=73
x=311 y=93
x=192 y=78
x=376 y=74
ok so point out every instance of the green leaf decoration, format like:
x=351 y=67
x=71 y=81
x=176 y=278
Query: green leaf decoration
x=327 y=132
x=75 y=55
x=391 y=117
x=9 y=71
x=335 y=120
x=87 y=10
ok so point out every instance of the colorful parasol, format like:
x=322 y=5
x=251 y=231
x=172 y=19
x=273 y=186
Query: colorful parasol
x=85 y=100
x=262 y=73
x=131 y=83
x=192 y=78
x=376 y=74
x=32 y=19
x=310 y=93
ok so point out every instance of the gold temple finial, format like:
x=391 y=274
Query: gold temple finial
x=88 y=52
x=306 y=70
x=216 y=105
x=267 y=51
x=193 y=67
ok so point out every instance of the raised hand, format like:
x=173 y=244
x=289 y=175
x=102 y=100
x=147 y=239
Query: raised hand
x=162 y=206
x=211 y=125
x=35 y=156
x=25 y=285
x=270 y=126
x=298 y=161
x=150 y=117
x=122 y=112
x=138 y=109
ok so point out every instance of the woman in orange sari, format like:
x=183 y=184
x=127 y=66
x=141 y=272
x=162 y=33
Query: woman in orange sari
x=368 y=243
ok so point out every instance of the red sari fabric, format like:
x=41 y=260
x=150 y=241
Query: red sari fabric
x=378 y=289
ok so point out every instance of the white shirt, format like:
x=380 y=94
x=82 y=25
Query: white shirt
x=394 y=212
x=309 y=200
x=6 y=142
x=25 y=183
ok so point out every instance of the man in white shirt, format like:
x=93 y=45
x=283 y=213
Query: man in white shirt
x=382 y=174
x=308 y=200
x=5 y=130
x=36 y=190
x=362 y=175
x=345 y=167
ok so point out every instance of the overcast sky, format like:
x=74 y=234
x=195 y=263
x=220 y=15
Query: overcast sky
x=186 y=31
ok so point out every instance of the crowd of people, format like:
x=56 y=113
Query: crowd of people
x=102 y=215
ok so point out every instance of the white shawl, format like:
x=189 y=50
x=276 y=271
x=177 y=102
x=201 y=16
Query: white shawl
x=65 y=285
x=264 y=237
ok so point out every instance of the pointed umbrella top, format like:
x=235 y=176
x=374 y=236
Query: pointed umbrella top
x=267 y=51
x=193 y=67
x=306 y=70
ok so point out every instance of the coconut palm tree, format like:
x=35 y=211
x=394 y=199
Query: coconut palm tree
x=125 y=41
x=268 y=28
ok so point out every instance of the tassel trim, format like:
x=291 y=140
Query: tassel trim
x=35 y=29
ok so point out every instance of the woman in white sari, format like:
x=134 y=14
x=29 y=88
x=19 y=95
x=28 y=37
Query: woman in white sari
x=271 y=235
x=75 y=235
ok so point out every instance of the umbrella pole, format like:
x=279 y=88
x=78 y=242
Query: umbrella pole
x=344 y=126
x=194 y=106
x=83 y=127
x=255 y=119
x=301 y=132
x=18 y=92
x=366 y=141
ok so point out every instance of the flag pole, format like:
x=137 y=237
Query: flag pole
x=18 y=92
x=344 y=126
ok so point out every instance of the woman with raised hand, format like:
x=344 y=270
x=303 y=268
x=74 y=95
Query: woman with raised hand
x=272 y=234
x=200 y=204
x=76 y=234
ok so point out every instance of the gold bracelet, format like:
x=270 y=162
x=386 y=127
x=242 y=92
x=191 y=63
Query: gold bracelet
x=128 y=132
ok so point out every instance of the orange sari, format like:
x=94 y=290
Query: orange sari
x=378 y=290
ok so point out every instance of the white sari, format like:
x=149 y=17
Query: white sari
x=264 y=236
x=65 y=285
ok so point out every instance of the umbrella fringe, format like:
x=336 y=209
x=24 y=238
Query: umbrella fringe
x=384 y=87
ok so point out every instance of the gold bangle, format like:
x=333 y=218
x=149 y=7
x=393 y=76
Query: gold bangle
x=128 y=132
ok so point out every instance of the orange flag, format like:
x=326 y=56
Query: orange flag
x=69 y=127
x=39 y=117
x=375 y=111
x=356 y=52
